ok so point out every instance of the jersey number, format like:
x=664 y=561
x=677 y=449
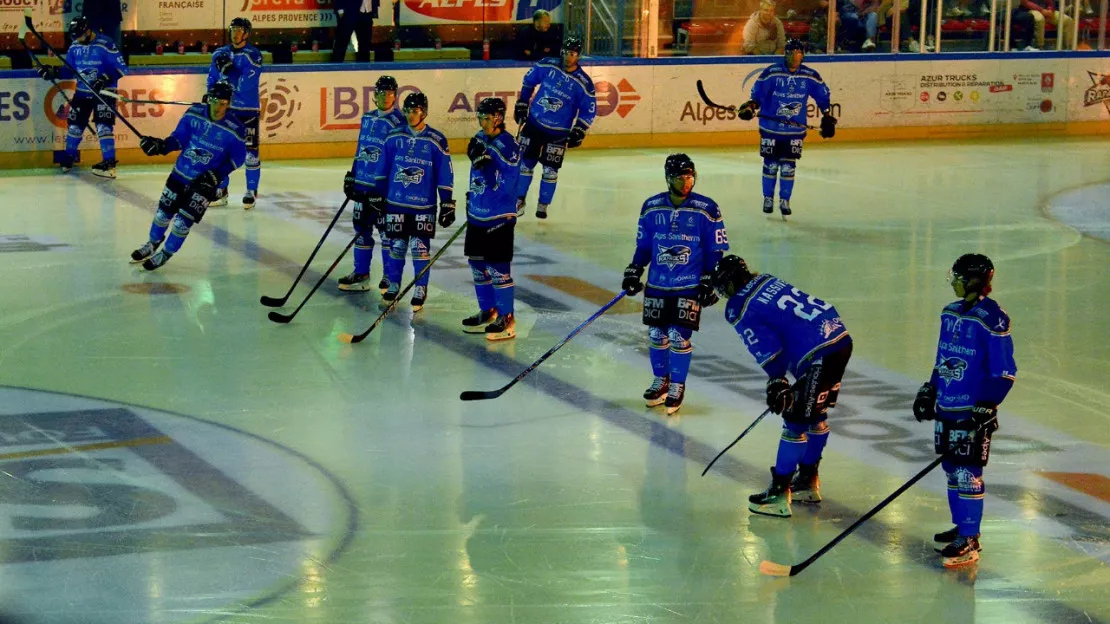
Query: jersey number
x=722 y=238
x=800 y=310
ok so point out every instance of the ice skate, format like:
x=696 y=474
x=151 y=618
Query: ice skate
x=477 y=323
x=944 y=538
x=784 y=208
x=146 y=251
x=502 y=328
x=520 y=206
x=675 y=394
x=383 y=285
x=419 y=296
x=768 y=205
x=389 y=296
x=221 y=198
x=248 y=199
x=806 y=486
x=66 y=163
x=157 y=260
x=962 y=551
x=105 y=168
x=656 y=394
x=355 y=282
x=775 y=500
x=541 y=211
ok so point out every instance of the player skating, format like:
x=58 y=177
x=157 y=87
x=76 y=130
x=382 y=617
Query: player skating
x=240 y=64
x=782 y=92
x=557 y=117
x=211 y=144
x=416 y=167
x=974 y=371
x=101 y=65
x=359 y=186
x=491 y=218
x=788 y=331
x=680 y=238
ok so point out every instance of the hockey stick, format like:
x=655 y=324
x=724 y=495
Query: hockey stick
x=353 y=338
x=127 y=100
x=272 y=302
x=480 y=395
x=61 y=91
x=31 y=27
x=777 y=569
x=738 y=438
x=782 y=120
x=278 y=317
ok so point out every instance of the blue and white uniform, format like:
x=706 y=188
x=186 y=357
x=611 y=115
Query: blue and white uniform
x=99 y=57
x=369 y=158
x=491 y=219
x=244 y=75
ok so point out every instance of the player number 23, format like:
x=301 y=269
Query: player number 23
x=808 y=310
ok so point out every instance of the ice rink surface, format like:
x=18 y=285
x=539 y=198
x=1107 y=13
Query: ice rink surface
x=169 y=455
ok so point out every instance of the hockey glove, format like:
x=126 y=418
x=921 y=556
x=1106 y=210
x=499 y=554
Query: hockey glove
x=828 y=126
x=49 y=72
x=924 y=406
x=632 y=284
x=780 y=397
x=223 y=63
x=707 y=296
x=520 y=112
x=983 y=413
x=153 y=146
x=351 y=190
x=478 y=154
x=746 y=111
x=577 y=135
x=447 y=213
x=205 y=185
x=101 y=81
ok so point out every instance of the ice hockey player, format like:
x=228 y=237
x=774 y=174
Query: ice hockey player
x=211 y=143
x=680 y=238
x=100 y=64
x=240 y=64
x=358 y=184
x=974 y=370
x=788 y=331
x=557 y=117
x=416 y=166
x=491 y=218
x=782 y=92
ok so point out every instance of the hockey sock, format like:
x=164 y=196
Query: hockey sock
x=502 y=287
x=818 y=435
x=792 y=446
x=524 y=181
x=178 y=231
x=73 y=139
x=385 y=252
x=972 y=491
x=660 y=351
x=395 y=268
x=954 y=506
x=483 y=284
x=254 y=170
x=107 y=141
x=159 y=225
x=770 y=176
x=364 y=252
x=681 y=352
x=786 y=178
x=420 y=247
x=548 y=181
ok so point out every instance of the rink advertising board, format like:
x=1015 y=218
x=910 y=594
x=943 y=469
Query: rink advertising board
x=325 y=106
x=420 y=12
x=47 y=15
x=283 y=13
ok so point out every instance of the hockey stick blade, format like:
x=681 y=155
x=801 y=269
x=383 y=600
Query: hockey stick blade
x=271 y=302
x=770 y=568
x=480 y=395
x=27 y=19
x=709 y=102
x=278 y=317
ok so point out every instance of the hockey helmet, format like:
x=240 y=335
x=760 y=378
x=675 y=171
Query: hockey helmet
x=679 y=164
x=386 y=83
x=240 y=22
x=78 y=26
x=416 y=100
x=573 y=44
x=222 y=90
x=730 y=275
x=491 y=106
x=795 y=44
x=975 y=271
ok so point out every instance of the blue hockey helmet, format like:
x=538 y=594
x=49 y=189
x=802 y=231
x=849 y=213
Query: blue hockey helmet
x=730 y=275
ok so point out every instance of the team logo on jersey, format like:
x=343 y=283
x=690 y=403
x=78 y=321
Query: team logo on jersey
x=370 y=154
x=951 y=369
x=789 y=109
x=550 y=104
x=408 y=176
x=198 y=156
x=477 y=185
x=831 y=326
x=671 y=257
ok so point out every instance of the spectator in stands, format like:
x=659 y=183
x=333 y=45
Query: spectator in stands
x=105 y=16
x=764 y=34
x=354 y=16
x=859 y=22
x=1027 y=10
x=538 y=40
x=907 y=20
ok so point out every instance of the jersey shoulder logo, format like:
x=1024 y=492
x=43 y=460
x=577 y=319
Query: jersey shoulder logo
x=408 y=176
x=550 y=104
x=951 y=369
x=198 y=156
x=830 y=327
x=671 y=257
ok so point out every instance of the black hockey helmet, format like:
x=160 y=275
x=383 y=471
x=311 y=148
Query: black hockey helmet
x=730 y=275
x=975 y=271
x=222 y=90
x=491 y=106
x=78 y=26
x=795 y=44
x=386 y=83
x=416 y=100
x=573 y=43
x=240 y=22
x=679 y=164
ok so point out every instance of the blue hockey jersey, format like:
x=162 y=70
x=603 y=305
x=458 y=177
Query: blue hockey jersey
x=244 y=74
x=975 y=357
x=782 y=93
x=784 y=328
x=562 y=100
x=99 y=56
x=415 y=166
x=678 y=244
x=373 y=130
x=492 y=195
x=207 y=145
